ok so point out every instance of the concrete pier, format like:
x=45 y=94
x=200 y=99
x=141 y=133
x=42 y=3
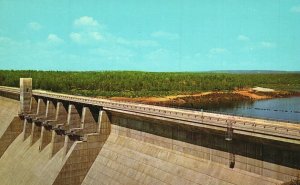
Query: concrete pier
x=47 y=124
x=37 y=121
x=84 y=153
x=58 y=139
x=28 y=119
x=73 y=123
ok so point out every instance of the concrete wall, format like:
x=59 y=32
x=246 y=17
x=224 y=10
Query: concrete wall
x=39 y=158
x=9 y=109
x=130 y=156
x=260 y=156
x=121 y=149
x=11 y=125
x=14 y=96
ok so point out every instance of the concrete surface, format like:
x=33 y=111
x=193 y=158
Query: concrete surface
x=127 y=160
x=121 y=150
x=9 y=109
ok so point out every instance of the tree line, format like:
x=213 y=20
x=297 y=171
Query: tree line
x=136 y=84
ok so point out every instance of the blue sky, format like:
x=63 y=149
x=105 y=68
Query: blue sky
x=156 y=35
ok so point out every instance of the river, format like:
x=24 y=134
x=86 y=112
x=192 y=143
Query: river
x=286 y=109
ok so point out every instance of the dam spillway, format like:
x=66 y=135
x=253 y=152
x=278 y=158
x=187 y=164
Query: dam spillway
x=79 y=140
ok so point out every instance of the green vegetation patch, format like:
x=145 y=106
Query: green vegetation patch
x=138 y=84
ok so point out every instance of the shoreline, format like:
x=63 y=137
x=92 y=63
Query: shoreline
x=242 y=94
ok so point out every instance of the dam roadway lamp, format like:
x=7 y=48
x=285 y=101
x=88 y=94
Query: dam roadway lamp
x=229 y=132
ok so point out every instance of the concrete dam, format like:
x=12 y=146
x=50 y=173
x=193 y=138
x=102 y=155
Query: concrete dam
x=51 y=138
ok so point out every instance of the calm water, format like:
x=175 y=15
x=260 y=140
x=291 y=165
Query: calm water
x=287 y=109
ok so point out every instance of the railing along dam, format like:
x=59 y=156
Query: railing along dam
x=264 y=147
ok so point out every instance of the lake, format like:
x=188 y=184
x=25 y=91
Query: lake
x=286 y=109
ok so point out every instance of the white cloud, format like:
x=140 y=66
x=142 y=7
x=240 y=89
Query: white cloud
x=52 y=38
x=135 y=43
x=265 y=44
x=86 y=37
x=92 y=33
x=218 y=51
x=95 y=35
x=86 y=21
x=34 y=26
x=295 y=9
x=5 y=40
x=28 y=53
x=243 y=38
x=143 y=43
x=89 y=33
x=76 y=37
x=165 y=35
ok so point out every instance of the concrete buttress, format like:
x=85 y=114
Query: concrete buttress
x=49 y=122
x=58 y=139
x=37 y=121
x=83 y=153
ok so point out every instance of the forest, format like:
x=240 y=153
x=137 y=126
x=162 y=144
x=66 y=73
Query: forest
x=145 y=84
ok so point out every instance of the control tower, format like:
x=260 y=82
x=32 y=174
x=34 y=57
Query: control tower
x=25 y=94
